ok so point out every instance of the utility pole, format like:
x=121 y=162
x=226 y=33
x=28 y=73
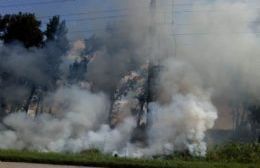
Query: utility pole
x=173 y=28
x=150 y=62
x=152 y=8
x=155 y=40
x=148 y=87
x=153 y=3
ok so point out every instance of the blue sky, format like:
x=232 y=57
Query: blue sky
x=78 y=25
x=83 y=25
x=43 y=11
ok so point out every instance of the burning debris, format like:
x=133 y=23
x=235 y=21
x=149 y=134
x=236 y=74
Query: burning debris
x=35 y=101
x=130 y=98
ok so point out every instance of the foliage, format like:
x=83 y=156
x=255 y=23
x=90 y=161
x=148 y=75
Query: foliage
x=233 y=152
x=56 y=45
x=40 y=66
x=52 y=28
x=56 y=31
x=227 y=156
x=23 y=27
x=255 y=113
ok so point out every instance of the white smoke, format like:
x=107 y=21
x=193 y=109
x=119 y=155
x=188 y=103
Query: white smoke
x=224 y=47
x=223 y=54
x=184 y=111
x=184 y=123
x=81 y=125
x=54 y=133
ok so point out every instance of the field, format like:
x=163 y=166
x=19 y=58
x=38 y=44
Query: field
x=226 y=156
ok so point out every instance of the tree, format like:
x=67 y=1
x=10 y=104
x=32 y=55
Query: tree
x=56 y=30
x=56 y=45
x=52 y=28
x=255 y=113
x=19 y=90
x=23 y=27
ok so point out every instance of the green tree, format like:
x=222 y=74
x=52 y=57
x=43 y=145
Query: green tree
x=22 y=27
x=56 y=44
x=255 y=113
x=56 y=29
x=52 y=28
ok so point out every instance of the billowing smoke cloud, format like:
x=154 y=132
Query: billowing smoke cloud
x=184 y=110
x=81 y=124
x=22 y=69
x=222 y=47
x=221 y=60
x=185 y=122
x=226 y=46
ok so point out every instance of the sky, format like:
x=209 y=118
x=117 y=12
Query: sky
x=95 y=14
x=44 y=9
x=84 y=17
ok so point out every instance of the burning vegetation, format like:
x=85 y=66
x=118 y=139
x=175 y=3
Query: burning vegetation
x=122 y=91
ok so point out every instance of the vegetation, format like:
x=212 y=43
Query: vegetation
x=26 y=29
x=243 y=153
x=21 y=35
x=255 y=113
x=230 y=155
x=21 y=27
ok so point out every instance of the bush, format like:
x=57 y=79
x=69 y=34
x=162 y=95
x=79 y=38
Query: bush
x=235 y=152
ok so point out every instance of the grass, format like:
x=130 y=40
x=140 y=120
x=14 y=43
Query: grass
x=235 y=152
x=227 y=156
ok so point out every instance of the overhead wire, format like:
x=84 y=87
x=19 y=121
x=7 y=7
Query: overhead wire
x=121 y=15
x=35 y=3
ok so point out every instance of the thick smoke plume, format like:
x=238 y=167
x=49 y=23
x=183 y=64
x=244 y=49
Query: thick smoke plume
x=221 y=59
x=80 y=125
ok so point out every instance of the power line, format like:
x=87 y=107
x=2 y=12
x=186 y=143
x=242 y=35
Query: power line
x=205 y=2
x=109 y=10
x=126 y=9
x=85 y=13
x=114 y=16
x=208 y=11
x=55 y=1
x=35 y=3
x=60 y=1
x=179 y=34
x=92 y=18
x=125 y=15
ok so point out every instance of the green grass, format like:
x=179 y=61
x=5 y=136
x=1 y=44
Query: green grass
x=235 y=152
x=227 y=156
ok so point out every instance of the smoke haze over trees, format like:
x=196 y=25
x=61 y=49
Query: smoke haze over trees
x=28 y=61
x=128 y=89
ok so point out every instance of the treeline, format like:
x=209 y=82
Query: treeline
x=25 y=28
x=31 y=55
x=30 y=59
